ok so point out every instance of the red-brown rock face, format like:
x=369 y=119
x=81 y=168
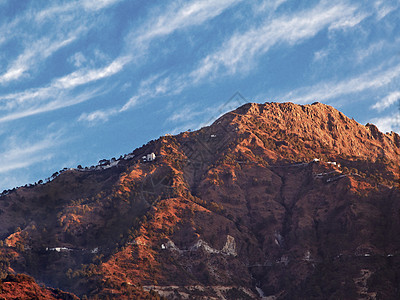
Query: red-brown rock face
x=275 y=199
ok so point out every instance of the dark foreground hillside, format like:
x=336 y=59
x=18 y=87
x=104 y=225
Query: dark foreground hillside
x=272 y=200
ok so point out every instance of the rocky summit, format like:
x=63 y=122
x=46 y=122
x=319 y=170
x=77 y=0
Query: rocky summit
x=271 y=201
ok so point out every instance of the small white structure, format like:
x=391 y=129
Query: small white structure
x=213 y=135
x=151 y=157
x=58 y=249
x=307 y=255
x=316 y=160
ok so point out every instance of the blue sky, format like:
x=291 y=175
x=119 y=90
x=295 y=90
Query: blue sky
x=91 y=79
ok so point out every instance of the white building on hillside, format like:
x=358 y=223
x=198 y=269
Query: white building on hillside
x=149 y=157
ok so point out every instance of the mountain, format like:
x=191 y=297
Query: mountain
x=273 y=201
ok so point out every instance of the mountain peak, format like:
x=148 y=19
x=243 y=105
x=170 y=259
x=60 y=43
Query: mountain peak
x=318 y=127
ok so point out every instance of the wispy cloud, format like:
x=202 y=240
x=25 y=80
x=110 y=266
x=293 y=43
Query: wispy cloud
x=320 y=55
x=97 y=116
x=45 y=31
x=98 y=4
x=178 y=16
x=237 y=53
x=349 y=22
x=387 y=101
x=151 y=87
x=20 y=154
x=61 y=100
x=268 y=5
x=78 y=59
x=372 y=79
x=373 y=48
x=242 y=49
x=383 y=8
x=35 y=53
x=158 y=85
x=84 y=76
x=68 y=9
x=58 y=94
x=41 y=100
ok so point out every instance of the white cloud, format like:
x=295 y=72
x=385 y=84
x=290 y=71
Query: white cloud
x=47 y=30
x=274 y=4
x=59 y=101
x=90 y=59
x=20 y=154
x=78 y=59
x=155 y=85
x=57 y=95
x=389 y=100
x=177 y=17
x=373 y=48
x=266 y=6
x=321 y=54
x=70 y=9
x=98 y=4
x=240 y=51
x=52 y=12
x=133 y=101
x=383 y=8
x=43 y=32
x=348 y=22
x=97 y=116
x=372 y=79
x=85 y=76
x=36 y=52
x=191 y=14
x=158 y=86
x=194 y=13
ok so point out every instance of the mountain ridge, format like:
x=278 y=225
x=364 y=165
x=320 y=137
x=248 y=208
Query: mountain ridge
x=265 y=193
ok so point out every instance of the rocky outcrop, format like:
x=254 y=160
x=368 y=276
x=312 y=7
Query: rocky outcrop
x=22 y=286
